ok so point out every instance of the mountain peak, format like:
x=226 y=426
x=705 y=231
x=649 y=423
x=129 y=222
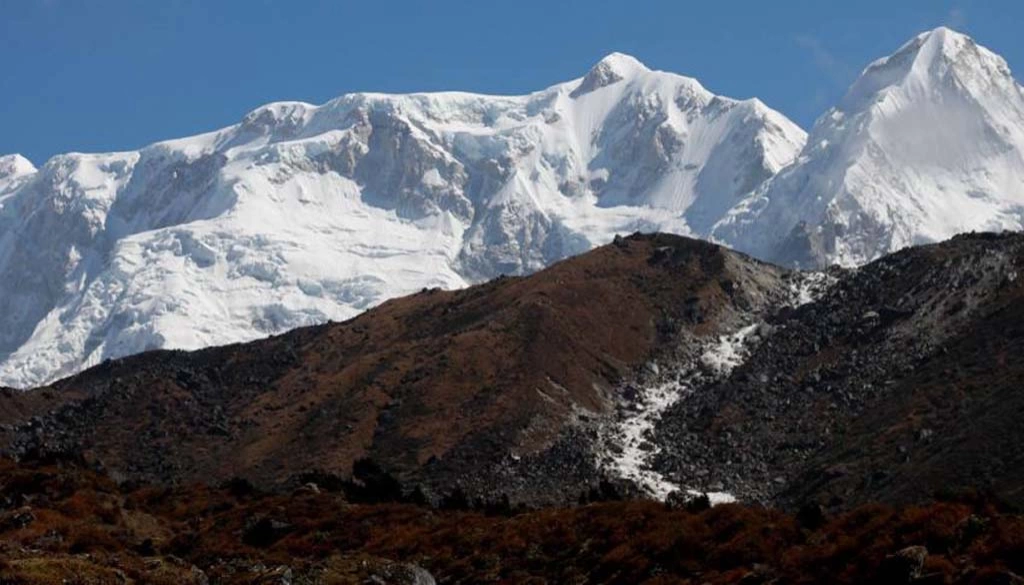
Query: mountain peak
x=15 y=162
x=927 y=143
x=14 y=166
x=930 y=59
x=944 y=36
x=613 y=68
x=621 y=62
x=942 y=44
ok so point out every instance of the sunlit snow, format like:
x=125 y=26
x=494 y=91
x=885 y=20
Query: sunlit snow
x=301 y=214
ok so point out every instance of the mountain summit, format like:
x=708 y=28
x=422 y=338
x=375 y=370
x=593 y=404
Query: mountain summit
x=613 y=68
x=927 y=143
x=932 y=59
x=302 y=214
x=13 y=169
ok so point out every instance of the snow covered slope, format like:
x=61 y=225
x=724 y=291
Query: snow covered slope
x=14 y=169
x=300 y=213
x=926 y=144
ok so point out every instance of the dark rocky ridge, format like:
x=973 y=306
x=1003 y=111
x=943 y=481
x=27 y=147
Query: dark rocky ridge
x=494 y=390
x=901 y=380
x=905 y=378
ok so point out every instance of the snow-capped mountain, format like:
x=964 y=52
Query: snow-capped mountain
x=14 y=170
x=926 y=144
x=301 y=214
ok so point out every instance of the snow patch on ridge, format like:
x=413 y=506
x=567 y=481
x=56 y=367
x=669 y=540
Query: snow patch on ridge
x=631 y=436
x=808 y=286
x=628 y=450
x=633 y=449
x=729 y=351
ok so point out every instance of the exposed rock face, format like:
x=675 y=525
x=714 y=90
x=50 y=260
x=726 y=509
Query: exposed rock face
x=874 y=392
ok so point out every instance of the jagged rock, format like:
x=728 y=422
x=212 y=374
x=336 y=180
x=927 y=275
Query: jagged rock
x=16 y=519
x=264 y=531
x=905 y=565
x=761 y=575
x=400 y=574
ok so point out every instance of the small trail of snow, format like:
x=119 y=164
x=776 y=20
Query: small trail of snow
x=631 y=450
x=631 y=435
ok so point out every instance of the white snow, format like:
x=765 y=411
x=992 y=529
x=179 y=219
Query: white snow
x=729 y=350
x=301 y=214
x=808 y=286
x=633 y=451
x=628 y=451
x=927 y=143
x=14 y=170
x=632 y=432
x=715 y=498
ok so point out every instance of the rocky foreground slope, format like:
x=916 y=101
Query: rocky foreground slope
x=485 y=388
x=902 y=379
x=64 y=524
x=651 y=365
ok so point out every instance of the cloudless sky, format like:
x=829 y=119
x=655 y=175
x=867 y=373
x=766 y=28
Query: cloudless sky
x=100 y=75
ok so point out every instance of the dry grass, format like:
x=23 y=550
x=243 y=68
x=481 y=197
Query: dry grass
x=64 y=524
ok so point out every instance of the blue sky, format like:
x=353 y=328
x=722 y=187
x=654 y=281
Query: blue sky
x=99 y=75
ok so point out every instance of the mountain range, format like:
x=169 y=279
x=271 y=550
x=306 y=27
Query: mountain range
x=302 y=214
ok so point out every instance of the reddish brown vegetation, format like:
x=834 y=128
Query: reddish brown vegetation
x=59 y=521
x=435 y=376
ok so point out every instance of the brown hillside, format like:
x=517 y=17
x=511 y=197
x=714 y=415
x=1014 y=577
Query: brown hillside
x=437 y=384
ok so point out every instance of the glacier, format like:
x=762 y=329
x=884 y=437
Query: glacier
x=302 y=214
